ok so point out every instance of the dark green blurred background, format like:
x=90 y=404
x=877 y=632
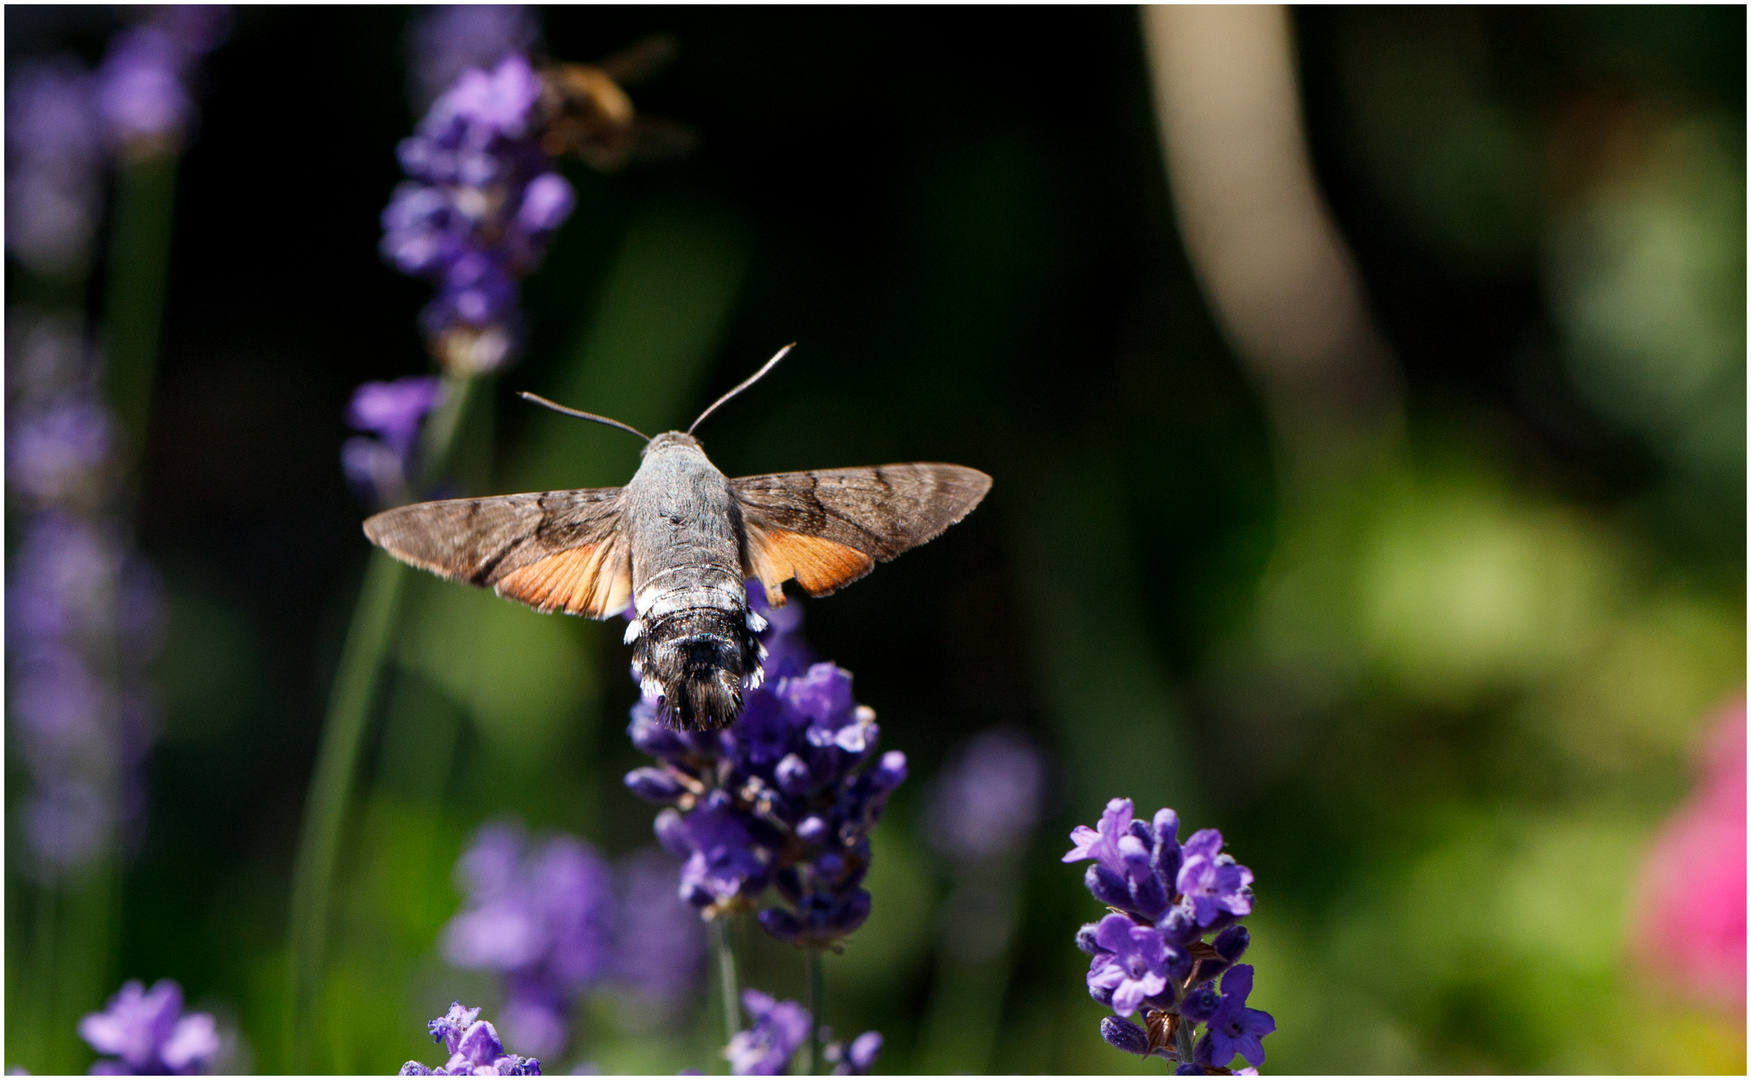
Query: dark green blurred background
x=1438 y=705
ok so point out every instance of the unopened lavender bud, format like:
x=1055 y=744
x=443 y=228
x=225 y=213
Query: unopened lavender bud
x=1149 y=897
x=1231 y=943
x=1107 y=887
x=1200 y=1004
x=793 y=775
x=653 y=785
x=780 y=924
x=1085 y=938
x=1124 y=1035
x=811 y=830
x=671 y=830
x=889 y=772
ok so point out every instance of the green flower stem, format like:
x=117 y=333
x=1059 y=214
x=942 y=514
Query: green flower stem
x=135 y=288
x=814 y=992
x=350 y=704
x=726 y=974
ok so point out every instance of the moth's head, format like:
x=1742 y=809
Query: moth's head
x=669 y=440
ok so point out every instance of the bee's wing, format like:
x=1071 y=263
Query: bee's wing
x=827 y=529
x=553 y=550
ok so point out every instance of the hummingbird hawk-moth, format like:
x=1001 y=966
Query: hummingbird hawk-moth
x=679 y=541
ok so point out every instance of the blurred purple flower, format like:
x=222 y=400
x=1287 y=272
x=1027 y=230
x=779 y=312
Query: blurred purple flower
x=448 y=40
x=147 y=1033
x=54 y=165
x=778 y=1029
x=481 y=202
x=57 y=453
x=474 y=1048
x=987 y=798
x=540 y=915
x=659 y=943
x=143 y=85
x=78 y=603
x=381 y=469
x=853 y=1060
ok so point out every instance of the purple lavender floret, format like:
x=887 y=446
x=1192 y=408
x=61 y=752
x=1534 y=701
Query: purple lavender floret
x=1150 y=955
x=474 y=1048
x=786 y=796
x=54 y=165
x=381 y=468
x=855 y=1059
x=1131 y=965
x=1234 y=1028
x=765 y=1048
x=1214 y=883
x=147 y=1033
x=542 y=916
x=446 y=41
x=475 y=216
x=143 y=91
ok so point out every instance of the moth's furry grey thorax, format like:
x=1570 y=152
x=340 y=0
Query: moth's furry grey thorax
x=693 y=642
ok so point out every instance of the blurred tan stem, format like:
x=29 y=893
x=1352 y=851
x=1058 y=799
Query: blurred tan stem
x=1257 y=230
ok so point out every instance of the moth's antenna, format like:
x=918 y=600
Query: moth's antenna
x=581 y=414
x=743 y=385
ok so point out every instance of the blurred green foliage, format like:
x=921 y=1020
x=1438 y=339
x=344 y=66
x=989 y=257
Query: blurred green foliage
x=1438 y=704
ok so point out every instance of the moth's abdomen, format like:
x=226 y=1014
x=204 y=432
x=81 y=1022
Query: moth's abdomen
x=695 y=662
x=694 y=647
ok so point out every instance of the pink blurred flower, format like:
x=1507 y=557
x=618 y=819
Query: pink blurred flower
x=1690 y=919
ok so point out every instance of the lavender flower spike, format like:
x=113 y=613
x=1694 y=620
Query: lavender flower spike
x=474 y=1048
x=1150 y=955
x=147 y=1033
x=481 y=201
x=765 y=1048
x=542 y=917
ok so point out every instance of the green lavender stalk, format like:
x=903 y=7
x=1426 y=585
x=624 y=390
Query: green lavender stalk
x=350 y=703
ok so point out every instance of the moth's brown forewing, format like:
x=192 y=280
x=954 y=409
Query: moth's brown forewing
x=553 y=550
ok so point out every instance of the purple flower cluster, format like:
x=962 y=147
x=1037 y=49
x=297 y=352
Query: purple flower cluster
x=777 y=1030
x=786 y=796
x=143 y=90
x=63 y=122
x=54 y=165
x=554 y=921
x=83 y=608
x=541 y=916
x=474 y=1048
x=986 y=800
x=147 y=1033
x=446 y=41
x=481 y=202
x=381 y=468
x=659 y=944
x=854 y=1059
x=1150 y=955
